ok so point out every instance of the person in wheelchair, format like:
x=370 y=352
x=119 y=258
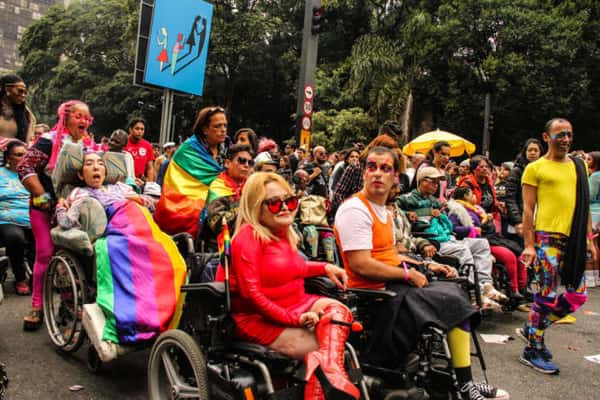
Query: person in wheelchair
x=269 y=304
x=364 y=229
x=427 y=216
x=15 y=228
x=470 y=220
x=138 y=268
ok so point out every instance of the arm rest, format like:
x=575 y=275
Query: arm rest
x=320 y=285
x=214 y=289
x=372 y=294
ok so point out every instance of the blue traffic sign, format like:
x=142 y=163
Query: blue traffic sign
x=178 y=45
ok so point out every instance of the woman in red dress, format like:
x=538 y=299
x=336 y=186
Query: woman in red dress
x=269 y=304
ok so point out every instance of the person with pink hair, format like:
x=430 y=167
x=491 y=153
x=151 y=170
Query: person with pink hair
x=35 y=171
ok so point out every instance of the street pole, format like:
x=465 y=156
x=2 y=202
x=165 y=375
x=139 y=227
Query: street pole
x=486 y=124
x=166 y=116
x=308 y=66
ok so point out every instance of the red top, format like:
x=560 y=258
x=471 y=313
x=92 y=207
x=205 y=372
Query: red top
x=141 y=152
x=267 y=286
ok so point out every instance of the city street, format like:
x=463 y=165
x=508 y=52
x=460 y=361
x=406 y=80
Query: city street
x=37 y=371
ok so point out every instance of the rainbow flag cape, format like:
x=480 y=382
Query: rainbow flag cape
x=185 y=188
x=139 y=273
x=223 y=186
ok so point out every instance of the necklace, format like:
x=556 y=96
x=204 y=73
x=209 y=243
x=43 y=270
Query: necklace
x=8 y=112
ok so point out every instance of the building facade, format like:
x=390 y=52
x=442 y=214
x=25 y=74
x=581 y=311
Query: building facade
x=15 y=17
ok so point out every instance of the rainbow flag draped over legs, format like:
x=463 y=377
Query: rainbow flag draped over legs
x=139 y=273
x=185 y=188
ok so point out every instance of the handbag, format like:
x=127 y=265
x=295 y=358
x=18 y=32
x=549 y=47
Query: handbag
x=313 y=210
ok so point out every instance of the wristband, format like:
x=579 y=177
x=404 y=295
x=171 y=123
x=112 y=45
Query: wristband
x=592 y=236
x=405 y=272
x=41 y=199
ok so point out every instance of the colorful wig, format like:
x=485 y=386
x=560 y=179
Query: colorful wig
x=59 y=131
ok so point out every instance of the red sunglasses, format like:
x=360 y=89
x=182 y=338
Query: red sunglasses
x=275 y=205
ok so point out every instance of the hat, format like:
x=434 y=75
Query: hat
x=465 y=163
x=152 y=189
x=264 y=158
x=168 y=144
x=430 y=172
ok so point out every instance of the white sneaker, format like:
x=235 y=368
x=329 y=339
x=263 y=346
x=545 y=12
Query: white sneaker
x=489 y=291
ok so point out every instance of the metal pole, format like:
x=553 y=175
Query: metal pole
x=486 y=124
x=166 y=116
x=308 y=61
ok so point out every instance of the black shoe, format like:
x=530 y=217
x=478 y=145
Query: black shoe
x=526 y=294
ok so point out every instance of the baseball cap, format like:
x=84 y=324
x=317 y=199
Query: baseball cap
x=264 y=158
x=465 y=163
x=168 y=144
x=430 y=172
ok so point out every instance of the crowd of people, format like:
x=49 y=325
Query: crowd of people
x=390 y=215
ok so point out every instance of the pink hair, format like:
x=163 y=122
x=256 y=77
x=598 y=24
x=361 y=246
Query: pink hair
x=266 y=144
x=59 y=131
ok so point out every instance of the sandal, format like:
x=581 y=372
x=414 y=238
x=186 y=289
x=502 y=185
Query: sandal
x=22 y=288
x=33 y=321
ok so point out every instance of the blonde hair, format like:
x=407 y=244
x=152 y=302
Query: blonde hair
x=253 y=195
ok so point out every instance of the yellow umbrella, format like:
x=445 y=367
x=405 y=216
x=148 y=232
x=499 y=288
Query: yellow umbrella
x=424 y=143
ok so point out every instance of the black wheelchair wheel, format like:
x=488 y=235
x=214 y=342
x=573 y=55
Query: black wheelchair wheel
x=176 y=368
x=64 y=291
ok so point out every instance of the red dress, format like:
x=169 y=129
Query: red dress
x=267 y=286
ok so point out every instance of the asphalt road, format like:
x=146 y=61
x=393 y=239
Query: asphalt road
x=37 y=371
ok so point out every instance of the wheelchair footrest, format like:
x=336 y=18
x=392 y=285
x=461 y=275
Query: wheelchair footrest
x=93 y=321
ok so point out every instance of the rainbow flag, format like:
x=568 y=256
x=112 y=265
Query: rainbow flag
x=139 y=273
x=185 y=188
x=224 y=245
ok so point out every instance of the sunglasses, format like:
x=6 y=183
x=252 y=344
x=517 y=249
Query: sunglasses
x=435 y=181
x=385 y=168
x=19 y=90
x=562 y=135
x=275 y=205
x=87 y=118
x=244 y=161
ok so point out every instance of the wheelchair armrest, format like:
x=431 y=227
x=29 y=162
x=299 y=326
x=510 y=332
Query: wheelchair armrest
x=319 y=285
x=424 y=235
x=448 y=260
x=459 y=280
x=214 y=289
x=372 y=294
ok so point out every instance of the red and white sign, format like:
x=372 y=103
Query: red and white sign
x=306 y=123
x=309 y=92
x=307 y=107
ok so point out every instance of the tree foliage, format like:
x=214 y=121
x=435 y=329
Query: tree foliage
x=429 y=62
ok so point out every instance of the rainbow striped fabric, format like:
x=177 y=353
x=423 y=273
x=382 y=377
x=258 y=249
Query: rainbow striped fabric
x=139 y=273
x=224 y=244
x=185 y=188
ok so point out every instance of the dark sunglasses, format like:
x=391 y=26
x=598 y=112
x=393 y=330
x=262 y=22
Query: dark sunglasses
x=435 y=181
x=562 y=135
x=18 y=90
x=373 y=166
x=244 y=161
x=275 y=205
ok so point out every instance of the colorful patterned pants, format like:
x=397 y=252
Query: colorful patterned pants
x=549 y=306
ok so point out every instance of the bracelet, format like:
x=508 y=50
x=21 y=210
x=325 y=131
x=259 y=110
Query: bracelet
x=592 y=236
x=41 y=199
x=405 y=272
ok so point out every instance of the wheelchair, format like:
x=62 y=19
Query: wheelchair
x=202 y=360
x=69 y=287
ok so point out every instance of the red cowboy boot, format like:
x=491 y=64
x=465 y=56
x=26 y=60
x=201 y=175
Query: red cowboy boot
x=325 y=371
